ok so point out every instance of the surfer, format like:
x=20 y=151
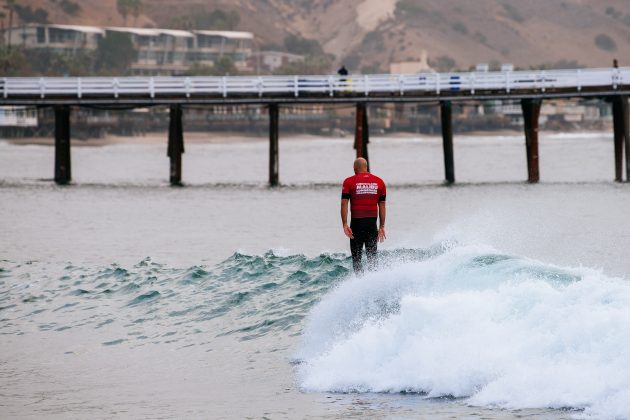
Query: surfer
x=366 y=193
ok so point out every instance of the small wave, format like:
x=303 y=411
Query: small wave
x=145 y=297
x=264 y=293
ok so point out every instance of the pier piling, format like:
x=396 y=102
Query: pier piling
x=362 y=132
x=531 y=112
x=274 y=164
x=626 y=123
x=446 y=112
x=176 y=144
x=620 y=128
x=63 y=170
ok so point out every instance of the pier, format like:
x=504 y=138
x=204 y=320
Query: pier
x=531 y=88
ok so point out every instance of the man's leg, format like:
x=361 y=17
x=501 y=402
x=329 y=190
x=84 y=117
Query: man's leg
x=370 y=249
x=356 y=249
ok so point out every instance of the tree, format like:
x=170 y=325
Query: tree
x=13 y=62
x=223 y=66
x=46 y=62
x=217 y=19
x=115 y=53
x=10 y=5
x=136 y=7
x=186 y=23
x=29 y=15
x=124 y=7
x=233 y=19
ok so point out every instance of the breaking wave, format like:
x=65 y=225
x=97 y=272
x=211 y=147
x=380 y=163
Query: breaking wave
x=498 y=330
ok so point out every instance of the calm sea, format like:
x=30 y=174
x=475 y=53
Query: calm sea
x=121 y=296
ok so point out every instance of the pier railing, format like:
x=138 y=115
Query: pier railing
x=264 y=88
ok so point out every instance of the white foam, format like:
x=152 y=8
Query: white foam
x=512 y=333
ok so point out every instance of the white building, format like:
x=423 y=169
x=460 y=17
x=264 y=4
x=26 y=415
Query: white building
x=211 y=45
x=18 y=116
x=66 y=39
x=159 y=51
x=411 y=67
x=273 y=60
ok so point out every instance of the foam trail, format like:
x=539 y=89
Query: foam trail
x=499 y=330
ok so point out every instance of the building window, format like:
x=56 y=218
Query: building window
x=41 y=35
x=61 y=36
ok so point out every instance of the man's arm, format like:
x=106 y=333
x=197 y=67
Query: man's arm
x=344 y=218
x=382 y=213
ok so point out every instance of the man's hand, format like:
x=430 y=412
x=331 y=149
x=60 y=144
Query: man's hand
x=381 y=234
x=348 y=231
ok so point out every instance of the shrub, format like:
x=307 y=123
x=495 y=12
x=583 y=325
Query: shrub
x=479 y=37
x=513 y=13
x=443 y=63
x=605 y=42
x=201 y=19
x=460 y=27
x=560 y=64
x=409 y=8
x=69 y=7
x=371 y=69
x=373 y=37
x=298 y=45
x=612 y=12
x=352 y=61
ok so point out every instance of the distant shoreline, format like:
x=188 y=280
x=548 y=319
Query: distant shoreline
x=234 y=137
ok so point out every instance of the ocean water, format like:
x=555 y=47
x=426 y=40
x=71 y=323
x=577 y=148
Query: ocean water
x=121 y=296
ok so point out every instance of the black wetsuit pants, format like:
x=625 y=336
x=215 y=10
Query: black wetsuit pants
x=365 y=234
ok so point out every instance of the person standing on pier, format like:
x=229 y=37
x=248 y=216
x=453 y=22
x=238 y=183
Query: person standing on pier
x=366 y=194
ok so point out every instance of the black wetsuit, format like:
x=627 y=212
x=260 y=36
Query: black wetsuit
x=365 y=234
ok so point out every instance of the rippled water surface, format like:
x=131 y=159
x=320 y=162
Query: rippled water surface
x=123 y=297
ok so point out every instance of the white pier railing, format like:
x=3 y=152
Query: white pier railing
x=474 y=83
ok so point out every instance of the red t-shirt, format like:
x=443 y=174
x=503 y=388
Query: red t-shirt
x=364 y=191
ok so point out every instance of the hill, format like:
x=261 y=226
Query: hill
x=367 y=35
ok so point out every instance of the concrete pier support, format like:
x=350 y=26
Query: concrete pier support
x=620 y=127
x=63 y=170
x=531 y=112
x=176 y=144
x=274 y=163
x=362 y=132
x=446 y=112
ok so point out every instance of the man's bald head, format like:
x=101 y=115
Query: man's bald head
x=360 y=165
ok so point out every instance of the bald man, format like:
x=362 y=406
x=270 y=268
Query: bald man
x=366 y=194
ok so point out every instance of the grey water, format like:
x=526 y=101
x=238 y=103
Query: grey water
x=121 y=296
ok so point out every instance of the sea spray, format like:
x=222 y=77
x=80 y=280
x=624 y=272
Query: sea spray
x=499 y=330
